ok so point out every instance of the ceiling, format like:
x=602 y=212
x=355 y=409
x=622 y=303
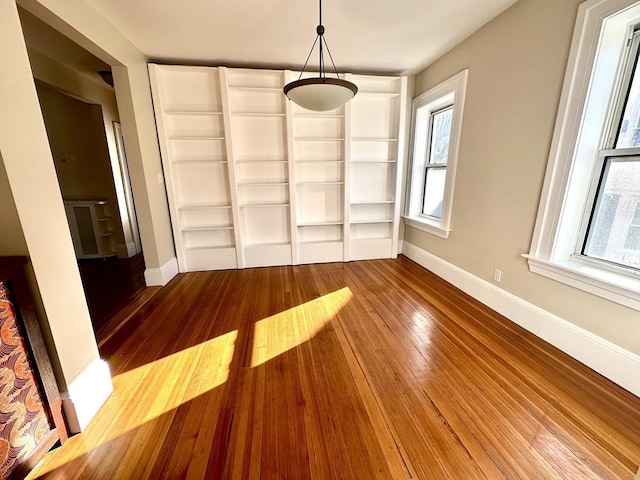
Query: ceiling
x=365 y=36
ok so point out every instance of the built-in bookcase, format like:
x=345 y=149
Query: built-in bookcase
x=258 y=145
x=319 y=145
x=255 y=180
x=191 y=130
x=376 y=142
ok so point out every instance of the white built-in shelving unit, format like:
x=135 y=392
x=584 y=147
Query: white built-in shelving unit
x=377 y=145
x=319 y=153
x=255 y=107
x=91 y=226
x=255 y=180
x=191 y=130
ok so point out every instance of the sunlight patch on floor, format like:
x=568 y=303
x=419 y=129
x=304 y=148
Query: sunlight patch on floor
x=280 y=333
x=149 y=391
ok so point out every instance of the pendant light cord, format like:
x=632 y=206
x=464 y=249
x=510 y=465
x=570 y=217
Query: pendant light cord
x=320 y=35
x=320 y=31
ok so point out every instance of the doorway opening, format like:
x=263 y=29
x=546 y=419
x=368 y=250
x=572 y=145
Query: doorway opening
x=82 y=121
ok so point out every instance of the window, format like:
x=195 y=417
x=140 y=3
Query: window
x=616 y=180
x=436 y=122
x=588 y=228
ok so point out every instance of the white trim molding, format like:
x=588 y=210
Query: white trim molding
x=615 y=363
x=427 y=226
x=87 y=393
x=161 y=276
x=618 y=288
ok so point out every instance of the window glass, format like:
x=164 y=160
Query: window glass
x=613 y=232
x=629 y=133
x=632 y=240
x=440 y=134
x=434 y=191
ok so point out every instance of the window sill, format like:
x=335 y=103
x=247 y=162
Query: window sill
x=427 y=226
x=613 y=286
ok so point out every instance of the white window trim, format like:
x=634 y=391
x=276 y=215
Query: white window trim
x=450 y=91
x=552 y=247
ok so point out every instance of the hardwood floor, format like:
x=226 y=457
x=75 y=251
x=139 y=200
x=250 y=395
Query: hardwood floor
x=109 y=285
x=363 y=370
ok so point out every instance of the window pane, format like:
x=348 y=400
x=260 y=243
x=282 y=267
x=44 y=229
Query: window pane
x=612 y=235
x=434 y=192
x=629 y=135
x=440 y=133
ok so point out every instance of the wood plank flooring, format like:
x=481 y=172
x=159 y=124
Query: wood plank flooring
x=364 y=370
x=110 y=284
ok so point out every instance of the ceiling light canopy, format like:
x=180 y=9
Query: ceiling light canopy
x=320 y=93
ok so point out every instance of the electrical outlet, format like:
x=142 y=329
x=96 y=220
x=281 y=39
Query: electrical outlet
x=497 y=275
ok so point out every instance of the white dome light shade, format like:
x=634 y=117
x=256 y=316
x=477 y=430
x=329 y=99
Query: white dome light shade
x=320 y=94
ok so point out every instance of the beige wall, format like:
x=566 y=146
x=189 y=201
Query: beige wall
x=26 y=158
x=516 y=66
x=12 y=240
x=79 y=148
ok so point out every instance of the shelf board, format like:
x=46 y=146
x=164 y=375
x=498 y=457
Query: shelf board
x=103 y=219
x=207 y=228
x=193 y=137
x=261 y=184
x=106 y=234
x=320 y=224
x=261 y=161
x=191 y=112
x=256 y=89
x=212 y=247
x=367 y=239
x=318 y=115
x=195 y=206
x=320 y=242
x=380 y=139
x=204 y=162
x=320 y=183
x=263 y=205
x=318 y=139
x=257 y=114
x=319 y=161
x=372 y=202
x=360 y=222
x=378 y=94
x=282 y=244
x=384 y=162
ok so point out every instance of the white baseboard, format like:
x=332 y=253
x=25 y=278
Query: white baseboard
x=126 y=250
x=615 y=363
x=400 y=246
x=161 y=276
x=87 y=393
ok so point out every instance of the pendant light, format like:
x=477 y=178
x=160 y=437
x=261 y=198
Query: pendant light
x=320 y=93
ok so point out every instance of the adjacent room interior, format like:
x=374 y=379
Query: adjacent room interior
x=421 y=262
